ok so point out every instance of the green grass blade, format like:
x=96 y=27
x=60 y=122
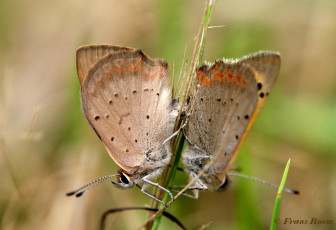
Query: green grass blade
x=205 y=27
x=276 y=210
x=179 y=143
x=166 y=197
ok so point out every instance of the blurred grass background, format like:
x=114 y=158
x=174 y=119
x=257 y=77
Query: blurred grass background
x=48 y=149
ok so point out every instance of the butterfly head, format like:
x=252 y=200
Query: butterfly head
x=124 y=180
x=224 y=185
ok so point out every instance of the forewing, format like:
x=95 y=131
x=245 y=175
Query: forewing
x=265 y=66
x=88 y=56
x=127 y=101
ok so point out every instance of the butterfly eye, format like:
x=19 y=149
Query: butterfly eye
x=124 y=178
x=224 y=185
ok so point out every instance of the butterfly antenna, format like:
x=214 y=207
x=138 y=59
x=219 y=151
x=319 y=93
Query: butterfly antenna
x=292 y=191
x=79 y=192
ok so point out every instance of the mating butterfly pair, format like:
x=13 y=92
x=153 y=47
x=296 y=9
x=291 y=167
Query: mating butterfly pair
x=127 y=100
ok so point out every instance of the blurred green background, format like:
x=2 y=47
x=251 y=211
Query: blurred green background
x=48 y=149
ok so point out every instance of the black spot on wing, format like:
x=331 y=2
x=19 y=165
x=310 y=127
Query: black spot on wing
x=261 y=95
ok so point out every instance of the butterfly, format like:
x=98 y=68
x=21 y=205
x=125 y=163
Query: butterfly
x=126 y=99
x=227 y=97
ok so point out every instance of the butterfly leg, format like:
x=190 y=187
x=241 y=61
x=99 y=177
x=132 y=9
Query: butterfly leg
x=199 y=185
x=194 y=189
x=175 y=134
x=166 y=147
x=194 y=145
x=195 y=192
x=147 y=181
x=147 y=193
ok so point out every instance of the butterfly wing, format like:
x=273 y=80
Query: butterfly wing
x=127 y=101
x=226 y=104
x=266 y=68
x=87 y=56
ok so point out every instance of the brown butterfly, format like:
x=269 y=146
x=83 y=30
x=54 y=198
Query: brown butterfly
x=227 y=97
x=128 y=103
